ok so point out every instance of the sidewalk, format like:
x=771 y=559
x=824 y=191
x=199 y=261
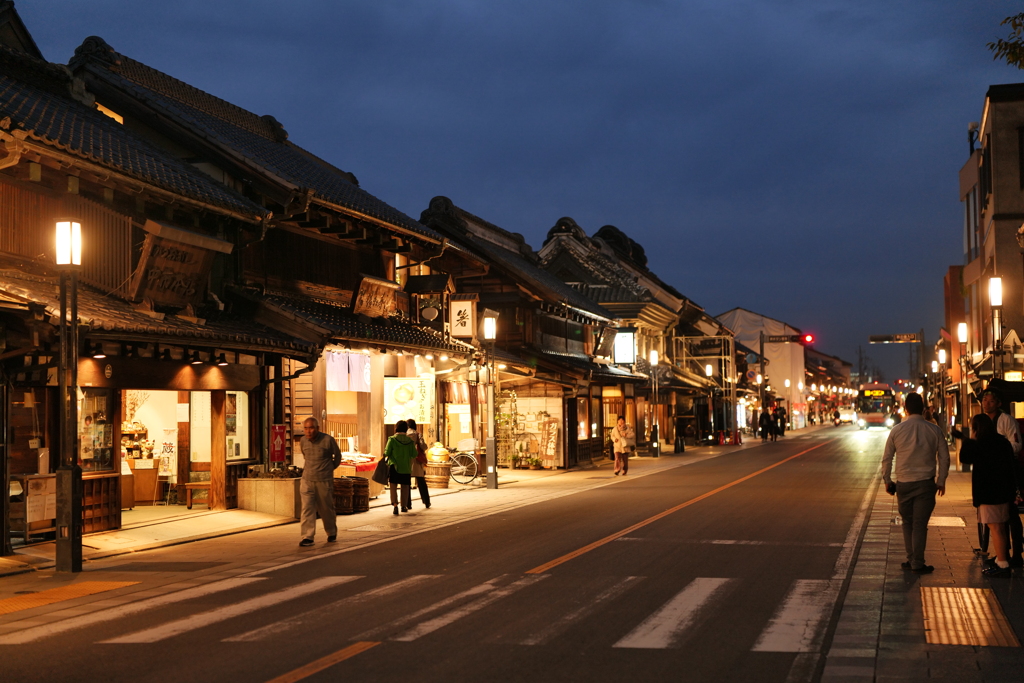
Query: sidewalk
x=884 y=633
x=215 y=524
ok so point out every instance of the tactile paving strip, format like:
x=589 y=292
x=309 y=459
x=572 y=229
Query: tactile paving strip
x=52 y=595
x=965 y=616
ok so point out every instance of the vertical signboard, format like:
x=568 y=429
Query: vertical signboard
x=278 y=441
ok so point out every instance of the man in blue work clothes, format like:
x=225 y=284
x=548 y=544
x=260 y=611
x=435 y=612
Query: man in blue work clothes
x=322 y=457
x=922 y=465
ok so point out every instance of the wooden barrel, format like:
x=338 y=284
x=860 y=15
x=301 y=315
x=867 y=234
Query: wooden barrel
x=360 y=494
x=343 y=496
x=437 y=474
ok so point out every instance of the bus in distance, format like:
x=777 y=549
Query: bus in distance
x=876 y=403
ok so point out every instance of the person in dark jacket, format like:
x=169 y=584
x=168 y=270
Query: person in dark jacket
x=421 y=450
x=767 y=425
x=993 y=486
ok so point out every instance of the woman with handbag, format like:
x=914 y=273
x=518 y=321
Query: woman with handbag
x=993 y=486
x=400 y=453
x=623 y=445
x=419 y=464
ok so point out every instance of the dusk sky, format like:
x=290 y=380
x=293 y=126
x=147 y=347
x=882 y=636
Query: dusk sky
x=796 y=158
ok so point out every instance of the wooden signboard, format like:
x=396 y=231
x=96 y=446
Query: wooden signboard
x=174 y=265
x=375 y=297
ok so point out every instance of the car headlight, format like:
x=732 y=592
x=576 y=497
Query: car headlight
x=861 y=422
x=889 y=422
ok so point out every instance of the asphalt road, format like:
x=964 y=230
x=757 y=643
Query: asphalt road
x=728 y=569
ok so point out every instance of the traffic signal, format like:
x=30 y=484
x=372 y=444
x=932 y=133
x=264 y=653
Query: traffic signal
x=807 y=339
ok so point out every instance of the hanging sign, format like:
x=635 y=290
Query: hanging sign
x=406 y=397
x=375 y=297
x=174 y=265
x=462 y=318
x=278 y=439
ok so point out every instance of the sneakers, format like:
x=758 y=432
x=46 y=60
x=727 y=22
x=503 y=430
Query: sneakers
x=927 y=569
x=332 y=539
x=306 y=542
x=997 y=572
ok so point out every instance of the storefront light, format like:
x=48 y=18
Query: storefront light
x=760 y=379
x=490 y=325
x=624 y=350
x=444 y=356
x=942 y=356
x=995 y=291
x=98 y=351
x=502 y=366
x=814 y=387
x=708 y=370
x=429 y=356
x=935 y=366
x=800 y=386
x=221 y=360
x=786 y=383
x=654 y=356
x=961 y=332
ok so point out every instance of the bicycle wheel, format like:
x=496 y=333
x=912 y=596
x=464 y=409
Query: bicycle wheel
x=464 y=468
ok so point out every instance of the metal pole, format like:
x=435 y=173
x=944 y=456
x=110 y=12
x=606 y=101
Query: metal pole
x=5 y=475
x=760 y=386
x=492 y=442
x=69 y=474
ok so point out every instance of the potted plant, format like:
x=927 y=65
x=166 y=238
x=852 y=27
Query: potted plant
x=534 y=463
x=514 y=460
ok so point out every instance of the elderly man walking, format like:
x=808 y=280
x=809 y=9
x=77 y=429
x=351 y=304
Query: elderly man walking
x=322 y=457
x=922 y=465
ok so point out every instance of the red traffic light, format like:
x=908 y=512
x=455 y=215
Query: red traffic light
x=807 y=339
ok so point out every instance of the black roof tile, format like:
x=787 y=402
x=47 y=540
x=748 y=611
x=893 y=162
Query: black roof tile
x=36 y=97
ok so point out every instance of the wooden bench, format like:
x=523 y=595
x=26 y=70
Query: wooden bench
x=196 y=486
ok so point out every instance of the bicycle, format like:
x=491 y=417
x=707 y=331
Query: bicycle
x=465 y=465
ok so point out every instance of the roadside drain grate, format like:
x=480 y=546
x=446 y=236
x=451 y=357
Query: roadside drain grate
x=161 y=567
x=965 y=616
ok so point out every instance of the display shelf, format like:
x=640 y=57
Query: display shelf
x=101 y=502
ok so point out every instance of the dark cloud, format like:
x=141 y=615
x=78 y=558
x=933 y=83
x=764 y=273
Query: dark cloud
x=798 y=158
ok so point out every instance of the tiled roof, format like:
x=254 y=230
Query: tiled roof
x=260 y=141
x=553 y=289
x=344 y=326
x=583 y=362
x=106 y=314
x=605 y=294
x=35 y=96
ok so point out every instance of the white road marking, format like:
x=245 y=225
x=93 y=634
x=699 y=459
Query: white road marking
x=31 y=634
x=663 y=628
x=443 y=620
x=724 y=541
x=798 y=625
x=195 y=621
x=440 y=604
x=567 y=620
x=313 y=616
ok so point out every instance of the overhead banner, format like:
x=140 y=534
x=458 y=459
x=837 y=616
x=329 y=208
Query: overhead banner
x=406 y=397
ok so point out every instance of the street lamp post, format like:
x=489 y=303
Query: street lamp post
x=69 y=474
x=490 y=334
x=995 y=298
x=965 y=405
x=655 y=432
x=709 y=372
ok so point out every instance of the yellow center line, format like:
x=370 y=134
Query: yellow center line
x=52 y=595
x=619 y=534
x=324 y=662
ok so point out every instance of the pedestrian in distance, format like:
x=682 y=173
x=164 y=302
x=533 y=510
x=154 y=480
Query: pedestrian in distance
x=400 y=452
x=766 y=424
x=780 y=421
x=922 y=465
x=992 y=405
x=421 y=459
x=316 y=489
x=993 y=485
x=623 y=445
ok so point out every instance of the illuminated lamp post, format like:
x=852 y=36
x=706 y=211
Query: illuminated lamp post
x=69 y=475
x=490 y=334
x=709 y=373
x=965 y=406
x=655 y=433
x=942 y=388
x=995 y=298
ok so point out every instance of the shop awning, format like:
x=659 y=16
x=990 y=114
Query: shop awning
x=326 y=321
x=111 y=318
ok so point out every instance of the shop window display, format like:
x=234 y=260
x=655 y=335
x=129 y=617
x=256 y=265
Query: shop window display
x=96 y=431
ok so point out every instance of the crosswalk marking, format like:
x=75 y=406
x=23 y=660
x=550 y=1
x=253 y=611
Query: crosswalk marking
x=798 y=624
x=661 y=629
x=443 y=620
x=567 y=620
x=173 y=628
x=38 y=632
x=313 y=615
x=440 y=604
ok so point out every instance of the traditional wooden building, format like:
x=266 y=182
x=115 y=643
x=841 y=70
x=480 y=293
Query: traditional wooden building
x=161 y=240
x=679 y=395
x=330 y=264
x=553 y=345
